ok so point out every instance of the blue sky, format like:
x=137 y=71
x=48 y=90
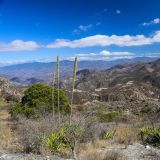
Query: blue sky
x=39 y=30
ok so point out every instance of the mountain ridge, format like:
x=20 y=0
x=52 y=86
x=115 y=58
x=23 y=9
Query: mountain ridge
x=20 y=73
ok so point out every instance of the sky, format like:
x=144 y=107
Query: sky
x=39 y=30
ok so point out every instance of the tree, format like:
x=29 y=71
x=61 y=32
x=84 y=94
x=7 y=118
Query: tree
x=39 y=98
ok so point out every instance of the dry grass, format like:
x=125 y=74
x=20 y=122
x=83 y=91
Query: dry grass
x=101 y=143
x=91 y=152
x=2 y=103
x=6 y=134
x=97 y=150
x=126 y=135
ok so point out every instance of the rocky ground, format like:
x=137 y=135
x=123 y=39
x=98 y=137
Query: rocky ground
x=136 y=152
x=21 y=156
x=132 y=152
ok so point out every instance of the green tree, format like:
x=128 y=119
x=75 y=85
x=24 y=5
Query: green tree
x=39 y=98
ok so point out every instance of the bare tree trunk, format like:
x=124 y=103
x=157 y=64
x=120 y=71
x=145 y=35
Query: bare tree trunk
x=58 y=98
x=73 y=85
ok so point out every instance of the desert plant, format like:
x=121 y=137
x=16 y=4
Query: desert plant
x=57 y=141
x=154 y=138
x=64 y=138
x=150 y=136
x=73 y=85
x=109 y=134
x=58 y=98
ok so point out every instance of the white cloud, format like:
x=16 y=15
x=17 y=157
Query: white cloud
x=153 y=22
x=85 y=55
x=82 y=28
x=6 y=63
x=118 y=11
x=104 y=58
x=85 y=28
x=104 y=55
x=105 y=40
x=18 y=45
x=108 y=53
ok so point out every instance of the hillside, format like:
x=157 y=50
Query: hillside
x=140 y=80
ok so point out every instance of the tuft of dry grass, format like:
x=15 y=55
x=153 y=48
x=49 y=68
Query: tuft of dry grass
x=95 y=154
x=96 y=150
x=101 y=143
x=126 y=135
x=91 y=154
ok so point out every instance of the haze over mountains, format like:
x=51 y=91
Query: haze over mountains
x=28 y=73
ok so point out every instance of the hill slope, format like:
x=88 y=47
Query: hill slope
x=138 y=80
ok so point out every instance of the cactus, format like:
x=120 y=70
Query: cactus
x=73 y=85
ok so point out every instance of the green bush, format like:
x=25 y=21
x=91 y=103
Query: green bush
x=150 y=136
x=37 y=99
x=109 y=117
x=23 y=110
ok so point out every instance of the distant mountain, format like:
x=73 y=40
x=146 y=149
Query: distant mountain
x=28 y=73
x=139 y=80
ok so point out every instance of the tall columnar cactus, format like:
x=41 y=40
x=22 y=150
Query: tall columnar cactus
x=58 y=98
x=73 y=85
x=53 y=83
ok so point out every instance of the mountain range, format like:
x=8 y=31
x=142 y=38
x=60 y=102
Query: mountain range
x=28 y=73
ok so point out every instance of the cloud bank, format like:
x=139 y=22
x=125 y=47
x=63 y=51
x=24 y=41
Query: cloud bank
x=105 y=40
x=19 y=45
x=104 y=55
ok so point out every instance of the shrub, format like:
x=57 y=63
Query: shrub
x=37 y=99
x=109 y=117
x=150 y=136
x=23 y=110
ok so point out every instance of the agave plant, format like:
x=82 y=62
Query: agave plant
x=154 y=138
x=109 y=134
x=150 y=136
x=144 y=132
